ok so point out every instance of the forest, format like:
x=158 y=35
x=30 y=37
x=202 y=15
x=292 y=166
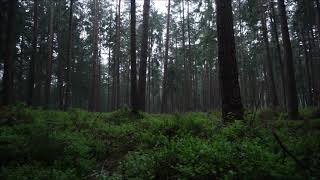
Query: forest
x=159 y=89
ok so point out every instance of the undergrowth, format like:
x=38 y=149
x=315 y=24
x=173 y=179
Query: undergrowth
x=38 y=144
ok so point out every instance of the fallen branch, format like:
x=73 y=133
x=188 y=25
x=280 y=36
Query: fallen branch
x=285 y=149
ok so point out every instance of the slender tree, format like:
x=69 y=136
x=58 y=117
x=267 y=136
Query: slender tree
x=270 y=76
x=94 y=96
x=133 y=57
x=292 y=100
x=228 y=71
x=165 y=66
x=278 y=48
x=144 y=55
x=116 y=64
x=68 y=92
x=50 y=52
x=31 y=84
x=7 y=96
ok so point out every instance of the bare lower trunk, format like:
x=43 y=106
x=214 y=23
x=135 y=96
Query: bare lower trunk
x=49 y=62
x=8 y=94
x=144 y=55
x=270 y=76
x=228 y=70
x=292 y=100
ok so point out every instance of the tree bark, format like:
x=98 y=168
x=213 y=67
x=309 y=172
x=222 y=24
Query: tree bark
x=278 y=49
x=7 y=81
x=133 y=58
x=68 y=92
x=144 y=55
x=164 y=103
x=232 y=107
x=49 y=62
x=270 y=76
x=307 y=66
x=116 y=65
x=94 y=96
x=31 y=84
x=292 y=100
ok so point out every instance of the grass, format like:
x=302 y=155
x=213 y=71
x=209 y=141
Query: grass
x=38 y=144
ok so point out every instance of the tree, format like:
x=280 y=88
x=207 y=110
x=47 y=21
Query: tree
x=270 y=76
x=33 y=56
x=144 y=55
x=50 y=57
x=228 y=71
x=278 y=48
x=94 y=95
x=116 y=65
x=292 y=100
x=68 y=92
x=7 y=97
x=165 y=66
x=133 y=57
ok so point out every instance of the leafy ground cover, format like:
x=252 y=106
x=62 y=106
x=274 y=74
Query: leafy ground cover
x=43 y=144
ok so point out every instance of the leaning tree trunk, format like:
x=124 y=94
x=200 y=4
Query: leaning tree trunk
x=68 y=92
x=8 y=94
x=144 y=55
x=292 y=100
x=232 y=107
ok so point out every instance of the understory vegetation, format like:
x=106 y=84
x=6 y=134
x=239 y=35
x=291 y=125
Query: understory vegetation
x=44 y=144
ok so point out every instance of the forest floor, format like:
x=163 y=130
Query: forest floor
x=40 y=144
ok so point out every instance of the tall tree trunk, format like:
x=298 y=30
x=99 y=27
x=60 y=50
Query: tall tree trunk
x=307 y=66
x=93 y=100
x=133 y=58
x=318 y=16
x=278 y=49
x=270 y=76
x=7 y=81
x=68 y=92
x=49 y=62
x=116 y=66
x=189 y=62
x=144 y=55
x=184 y=91
x=232 y=107
x=292 y=100
x=164 y=103
x=31 y=84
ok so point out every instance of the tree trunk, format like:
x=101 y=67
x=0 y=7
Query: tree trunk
x=144 y=55
x=189 y=63
x=229 y=84
x=116 y=65
x=292 y=100
x=68 y=92
x=49 y=62
x=278 y=49
x=307 y=65
x=94 y=96
x=318 y=15
x=31 y=84
x=7 y=81
x=133 y=58
x=164 y=102
x=270 y=76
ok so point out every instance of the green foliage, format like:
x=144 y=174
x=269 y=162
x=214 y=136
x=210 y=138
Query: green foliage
x=76 y=144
